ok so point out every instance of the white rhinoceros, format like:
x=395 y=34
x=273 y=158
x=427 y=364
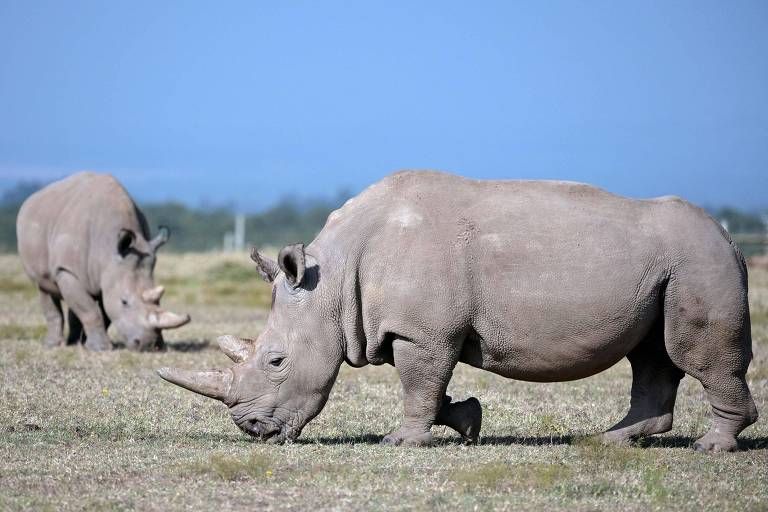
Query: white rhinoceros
x=83 y=240
x=532 y=280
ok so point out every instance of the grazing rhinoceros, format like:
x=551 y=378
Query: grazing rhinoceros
x=83 y=240
x=532 y=280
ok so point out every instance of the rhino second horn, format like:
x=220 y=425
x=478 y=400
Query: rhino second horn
x=237 y=349
x=167 y=320
x=211 y=383
x=153 y=295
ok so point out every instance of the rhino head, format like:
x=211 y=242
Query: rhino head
x=281 y=380
x=131 y=299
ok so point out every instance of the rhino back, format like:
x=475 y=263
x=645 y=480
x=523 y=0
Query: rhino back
x=73 y=224
x=553 y=272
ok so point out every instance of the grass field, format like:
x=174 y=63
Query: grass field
x=83 y=430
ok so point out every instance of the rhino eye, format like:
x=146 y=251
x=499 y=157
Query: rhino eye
x=124 y=302
x=277 y=361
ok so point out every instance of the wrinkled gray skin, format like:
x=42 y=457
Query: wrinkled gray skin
x=83 y=240
x=532 y=280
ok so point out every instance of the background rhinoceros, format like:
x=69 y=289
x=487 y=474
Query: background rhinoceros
x=83 y=240
x=532 y=280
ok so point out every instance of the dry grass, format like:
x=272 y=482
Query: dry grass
x=101 y=431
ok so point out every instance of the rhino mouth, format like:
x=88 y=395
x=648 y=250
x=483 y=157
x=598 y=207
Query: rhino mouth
x=272 y=432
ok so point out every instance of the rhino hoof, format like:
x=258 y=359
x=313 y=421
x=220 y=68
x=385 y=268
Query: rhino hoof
x=474 y=414
x=403 y=437
x=51 y=342
x=465 y=417
x=714 y=443
x=612 y=438
x=98 y=344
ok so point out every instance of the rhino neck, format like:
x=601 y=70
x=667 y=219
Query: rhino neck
x=340 y=279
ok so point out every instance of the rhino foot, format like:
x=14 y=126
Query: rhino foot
x=465 y=417
x=407 y=437
x=472 y=413
x=98 y=343
x=716 y=442
x=53 y=341
x=613 y=438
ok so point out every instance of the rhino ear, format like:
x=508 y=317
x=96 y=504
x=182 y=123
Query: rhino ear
x=266 y=268
x=293 y=263
x=124 y=240
x=162 y=237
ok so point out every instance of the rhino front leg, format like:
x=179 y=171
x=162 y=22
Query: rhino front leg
x=54 y=318
x=87 y=310
x=76 y=333
x=424 y=375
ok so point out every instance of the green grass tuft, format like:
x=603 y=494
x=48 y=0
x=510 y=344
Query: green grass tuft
x=234 y=467
x=22 y=332
x=232 y=272
x=221 y=283
x=16 y=285
x=499 y=475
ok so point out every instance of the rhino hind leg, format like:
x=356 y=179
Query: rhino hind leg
x=424 y=374
x=707 y=334
x=730 y=416
x=87 y=310
x=655 y=379
x=54 y=319
x=464 y=417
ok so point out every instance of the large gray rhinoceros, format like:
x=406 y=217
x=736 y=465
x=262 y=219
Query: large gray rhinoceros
x=532 y=280
x=83 y=240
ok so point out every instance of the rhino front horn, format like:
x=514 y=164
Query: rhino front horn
x=237 y=349
x=211 y=383
x=167 y=320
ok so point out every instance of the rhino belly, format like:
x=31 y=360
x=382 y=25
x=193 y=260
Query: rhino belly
x=559 y=342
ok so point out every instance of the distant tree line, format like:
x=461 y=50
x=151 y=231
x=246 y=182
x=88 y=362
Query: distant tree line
x=202 y=229
x=289 y=221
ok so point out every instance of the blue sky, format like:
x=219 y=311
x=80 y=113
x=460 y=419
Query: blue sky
x=246 y=103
